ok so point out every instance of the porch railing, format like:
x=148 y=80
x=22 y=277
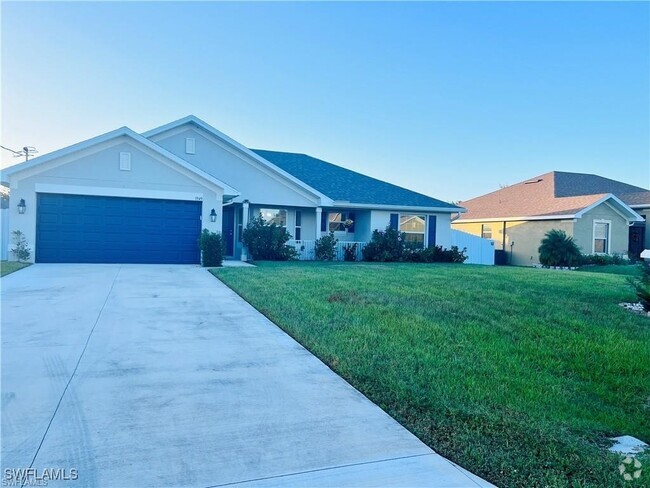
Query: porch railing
x=479 y=251
x=307 y=252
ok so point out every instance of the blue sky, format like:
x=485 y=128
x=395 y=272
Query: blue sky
x=449 y=99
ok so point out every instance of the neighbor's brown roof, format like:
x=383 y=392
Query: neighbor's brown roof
x=551 y=194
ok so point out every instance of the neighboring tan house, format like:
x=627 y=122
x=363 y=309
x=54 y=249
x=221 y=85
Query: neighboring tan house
x=602 y=215
x=124 y=197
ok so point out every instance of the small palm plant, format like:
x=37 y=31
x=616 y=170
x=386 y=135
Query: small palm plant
x=558 y=249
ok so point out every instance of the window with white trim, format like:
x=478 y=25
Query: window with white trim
x=277 y=216
x=486 y=231
x=413 y=227
x=298 y=228
x=339 y=221
x=601 y=236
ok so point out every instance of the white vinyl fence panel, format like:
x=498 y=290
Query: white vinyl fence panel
x=479 y=250
x=307 y=252
x=4 y=233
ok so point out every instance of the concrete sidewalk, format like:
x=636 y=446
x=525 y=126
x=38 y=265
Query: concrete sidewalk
x=162 y=376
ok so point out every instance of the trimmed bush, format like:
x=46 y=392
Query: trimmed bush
x=390 y=245
x=604 y=259
x=266 y=241
x=436 y=254
x=325 y=247
x=385 y=246
x=212 y=248
x=558 y=249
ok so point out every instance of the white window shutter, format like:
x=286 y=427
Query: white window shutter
x=190 y=145
x=125 y=161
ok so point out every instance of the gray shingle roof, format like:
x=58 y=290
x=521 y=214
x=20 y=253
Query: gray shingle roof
x=345 y=185
x=576 y=184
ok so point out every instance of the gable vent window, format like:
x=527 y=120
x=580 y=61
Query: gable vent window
x=190 y=145
x=125 y=161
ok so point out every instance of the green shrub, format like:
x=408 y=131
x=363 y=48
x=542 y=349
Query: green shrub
x=266 y=241
x=436 y=254
x=325 y=247
x=390 y=245
x=596 y=259
x=20 y=250
x=604 y=259
x=558 y=249
x=385 y=246
x=212 y=248
x=641 y=285
x=350 y=252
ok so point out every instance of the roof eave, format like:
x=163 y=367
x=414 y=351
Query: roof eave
x=121 y=132
x=631 y=214
x=411 y=208
x=518 y=219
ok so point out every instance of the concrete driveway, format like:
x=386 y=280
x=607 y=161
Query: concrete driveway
x=145 y=375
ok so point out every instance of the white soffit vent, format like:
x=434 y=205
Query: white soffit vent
x=125 y=161
x=190 y=145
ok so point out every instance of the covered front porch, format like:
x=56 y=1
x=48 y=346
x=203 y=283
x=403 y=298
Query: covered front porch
x=350 y=226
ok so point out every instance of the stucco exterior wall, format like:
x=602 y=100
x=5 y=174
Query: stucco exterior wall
x=98 y=173
x=443 y=230
x=527 y=235
x=257 y=186
x=522 y=239
x=362 y=228
x=380 y=219
x=584 y=230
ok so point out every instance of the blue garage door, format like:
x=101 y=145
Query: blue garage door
x=91 y=229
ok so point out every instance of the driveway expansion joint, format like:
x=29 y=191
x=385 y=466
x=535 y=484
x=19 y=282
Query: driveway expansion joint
x=341 y=466
x=67 y=385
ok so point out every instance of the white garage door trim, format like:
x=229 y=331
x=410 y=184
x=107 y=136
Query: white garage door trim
x=102 y=191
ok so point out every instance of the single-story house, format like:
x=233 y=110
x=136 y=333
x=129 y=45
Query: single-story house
x=603 y=216
x=124 y=197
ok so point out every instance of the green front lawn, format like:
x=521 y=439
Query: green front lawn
x=7 y=267
x=620 y=269
x=519 y=375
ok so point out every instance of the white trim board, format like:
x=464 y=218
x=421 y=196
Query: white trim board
x=102 y=191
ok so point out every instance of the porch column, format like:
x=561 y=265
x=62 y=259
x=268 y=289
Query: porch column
x=319 y=213
x=244 y=223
